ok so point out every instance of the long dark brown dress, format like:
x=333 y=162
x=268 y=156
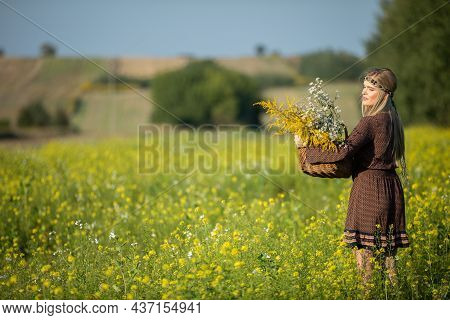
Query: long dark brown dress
x=376 y=210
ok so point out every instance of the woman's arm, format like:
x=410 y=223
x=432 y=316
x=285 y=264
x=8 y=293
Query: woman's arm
x=361 y=135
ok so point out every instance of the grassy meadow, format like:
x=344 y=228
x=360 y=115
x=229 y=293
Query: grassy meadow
x=79 y=221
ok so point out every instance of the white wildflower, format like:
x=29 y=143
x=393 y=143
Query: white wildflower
x=324 y=111
x=79 y=224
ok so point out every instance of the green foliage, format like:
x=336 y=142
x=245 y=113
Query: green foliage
x=48 y=50
x=34 y=115
x=260 y=50
x=327 y=64
x=204 y=92
x=61 y=118
x=106 y=79
x=5 y=129
x=76 y=105
x=267 y=80
x=4 y=124
x=419 y=57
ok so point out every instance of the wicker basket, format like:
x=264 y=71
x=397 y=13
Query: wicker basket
x=339 y=169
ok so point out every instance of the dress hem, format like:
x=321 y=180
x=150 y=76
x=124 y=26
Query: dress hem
x=365 y=240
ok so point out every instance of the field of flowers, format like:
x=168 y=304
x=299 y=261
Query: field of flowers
x=79 y=221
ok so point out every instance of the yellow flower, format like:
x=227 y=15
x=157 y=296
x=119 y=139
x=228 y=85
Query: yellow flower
x=45 y=268
x=146 y=279
x=13 y=279
x=289 y=118
x=331 y=268
x=104 y=287
x=164 y=283
x=225 y=246
x=165 y=296
x=216 y=281
x=109 y=271
x=238 y=264
x=234 y=251
x=70 y=258
x=46 y=283
x=58 y=290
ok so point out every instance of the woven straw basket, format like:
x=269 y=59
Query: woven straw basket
x=339 y=169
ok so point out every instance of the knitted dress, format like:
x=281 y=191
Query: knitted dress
x=376 y=210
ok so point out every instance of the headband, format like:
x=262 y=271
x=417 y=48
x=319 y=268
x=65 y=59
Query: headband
x=378 y=85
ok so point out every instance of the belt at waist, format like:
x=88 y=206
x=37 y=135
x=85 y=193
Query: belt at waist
x=375 y=172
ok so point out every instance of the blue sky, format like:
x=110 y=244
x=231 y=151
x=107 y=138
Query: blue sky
x=198 y=27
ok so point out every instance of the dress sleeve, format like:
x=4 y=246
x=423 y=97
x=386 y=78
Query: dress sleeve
x=361 y=135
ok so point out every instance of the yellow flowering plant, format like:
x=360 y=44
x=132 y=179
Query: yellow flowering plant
x=316 y=122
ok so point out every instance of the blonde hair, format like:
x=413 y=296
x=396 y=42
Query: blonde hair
x=386 y=83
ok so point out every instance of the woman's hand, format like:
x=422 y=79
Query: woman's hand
x=298 y=141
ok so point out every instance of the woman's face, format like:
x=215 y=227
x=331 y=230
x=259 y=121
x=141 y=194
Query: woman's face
x=369 y=94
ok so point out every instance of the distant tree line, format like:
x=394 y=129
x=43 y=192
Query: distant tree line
x=327 y=64
x=46 y=50
x=419 y=57
x=36 y=115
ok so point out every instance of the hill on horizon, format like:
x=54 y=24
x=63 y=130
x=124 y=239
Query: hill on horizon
x=58 y=80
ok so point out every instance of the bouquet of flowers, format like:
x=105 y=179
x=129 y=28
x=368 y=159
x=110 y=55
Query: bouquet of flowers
x=315 y=121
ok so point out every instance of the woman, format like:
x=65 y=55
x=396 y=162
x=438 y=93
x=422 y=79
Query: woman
x=376 y=211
